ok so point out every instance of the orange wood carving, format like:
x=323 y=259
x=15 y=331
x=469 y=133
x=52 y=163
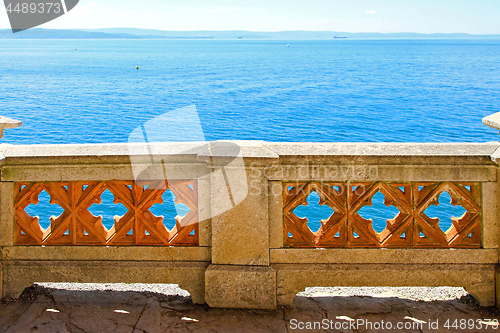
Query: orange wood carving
x=411 y=227
x=27 y=230
x=398 y=231
x=465 y=231
x=77 y=226
x=331 y=194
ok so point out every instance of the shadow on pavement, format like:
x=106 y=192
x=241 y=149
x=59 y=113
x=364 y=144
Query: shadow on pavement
x=59 y=310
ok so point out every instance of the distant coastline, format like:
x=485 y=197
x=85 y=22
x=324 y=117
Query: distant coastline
x=133 y=33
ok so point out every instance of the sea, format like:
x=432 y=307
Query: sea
x=338 y=90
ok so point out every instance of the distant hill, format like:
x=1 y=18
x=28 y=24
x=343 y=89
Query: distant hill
x=231 y=34
x=60 y=34
x=117 y=33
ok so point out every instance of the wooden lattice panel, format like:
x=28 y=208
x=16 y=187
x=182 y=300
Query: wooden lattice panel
x=330 y=194
x=465 y=231
x=27 y=230
x=398 y=231
x=411 y=227
x=78 y=226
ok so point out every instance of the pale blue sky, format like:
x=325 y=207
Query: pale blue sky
x=426 y=16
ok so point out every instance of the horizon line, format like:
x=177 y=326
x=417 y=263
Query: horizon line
x=270 y=31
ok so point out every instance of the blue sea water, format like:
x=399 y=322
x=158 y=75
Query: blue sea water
x=322 y=90
x=88 y=91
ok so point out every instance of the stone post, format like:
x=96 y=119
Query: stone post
x=6 y=204
x=493 y=204
x=240 y=275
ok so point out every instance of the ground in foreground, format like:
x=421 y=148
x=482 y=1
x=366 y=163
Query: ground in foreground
x=164 y=308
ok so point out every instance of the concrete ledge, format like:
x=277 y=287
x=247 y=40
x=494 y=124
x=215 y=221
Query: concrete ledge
x=242 y=287
x=105 y=253
x=119 y=153
x=292 y=153
x=18 y=275
x=8 y=123
x=381 y=148
x=93 y=150
x=384 y=256
x=98 y=172
x=479 y=280
x=247 y=266
x=374 y=172
x=383 y=172
x=492 y=120
x=384 y=153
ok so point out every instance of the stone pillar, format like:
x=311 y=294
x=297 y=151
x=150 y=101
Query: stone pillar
x=484 y=292
x=6 y=212
x=491 y=211
x=239 y=275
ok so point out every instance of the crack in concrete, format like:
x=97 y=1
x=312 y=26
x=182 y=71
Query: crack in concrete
x=325 y=312
x=140 y=315
x=284 y=319
x=81 y=330
x=27 y=308
x=458 y=308
x=34 y=304
x=186 y=326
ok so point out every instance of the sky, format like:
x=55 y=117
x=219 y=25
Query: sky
x=424 y=16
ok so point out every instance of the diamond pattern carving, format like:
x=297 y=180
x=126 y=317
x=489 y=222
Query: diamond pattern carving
x=465 y=231
x=409 y=228
x=27 y=230
x=77 y=226
x=332 y=231
x=398 y=231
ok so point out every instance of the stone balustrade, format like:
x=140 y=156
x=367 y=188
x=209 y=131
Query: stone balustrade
x=240 y=242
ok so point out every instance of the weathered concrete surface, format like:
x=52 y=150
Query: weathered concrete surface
x=101 y=253
x=248 y=287
x=18 y=275
x=479 y=280
x=384 y=256
x=404 y=172
x=55 y=310
x=8 y=123
x=493 y=120
x=239 y=234
x=293 y=153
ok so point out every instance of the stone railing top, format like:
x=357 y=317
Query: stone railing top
x=382 y=149
x=102 y=149
x=395 y=153
x=8 y=123
x=492 y=120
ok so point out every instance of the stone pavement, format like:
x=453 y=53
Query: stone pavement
x=43 y=309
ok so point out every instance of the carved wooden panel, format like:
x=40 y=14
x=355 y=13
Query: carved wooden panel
x=332 y=232
x=78 y=226
x=410 y=227
x=27 y=230
x=398 y=231
x=465 y=231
